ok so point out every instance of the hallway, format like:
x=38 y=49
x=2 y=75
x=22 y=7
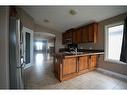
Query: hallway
x=40 y=72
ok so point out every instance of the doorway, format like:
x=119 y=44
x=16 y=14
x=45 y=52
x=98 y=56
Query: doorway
x=43 y=51
x=40 y=49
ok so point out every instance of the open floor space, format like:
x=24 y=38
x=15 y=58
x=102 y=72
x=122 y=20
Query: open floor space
x=41 y=76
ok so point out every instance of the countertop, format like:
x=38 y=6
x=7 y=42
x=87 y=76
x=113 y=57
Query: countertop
x=84 y=53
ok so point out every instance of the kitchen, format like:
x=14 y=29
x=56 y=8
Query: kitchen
x=82 y=57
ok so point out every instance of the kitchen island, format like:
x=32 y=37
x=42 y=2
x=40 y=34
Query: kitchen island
x=67 y=65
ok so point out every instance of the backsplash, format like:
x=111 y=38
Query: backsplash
x=89 y=46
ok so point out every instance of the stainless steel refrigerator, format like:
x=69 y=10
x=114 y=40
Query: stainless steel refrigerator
x=16 y=61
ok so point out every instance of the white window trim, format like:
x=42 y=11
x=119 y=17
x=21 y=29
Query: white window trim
x=106 y=43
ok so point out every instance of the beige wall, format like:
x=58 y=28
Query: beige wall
x=115 y=67
x=28 y=22
x=58 y=43
x=4 y=71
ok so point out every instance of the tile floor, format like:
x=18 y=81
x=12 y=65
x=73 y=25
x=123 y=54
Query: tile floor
x=41 y=76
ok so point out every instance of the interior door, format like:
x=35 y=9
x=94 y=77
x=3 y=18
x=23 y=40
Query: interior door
x=28 y=47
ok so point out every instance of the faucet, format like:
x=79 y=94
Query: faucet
x=74 y=50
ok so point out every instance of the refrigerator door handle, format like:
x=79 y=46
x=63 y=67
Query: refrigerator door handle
x=21 y=66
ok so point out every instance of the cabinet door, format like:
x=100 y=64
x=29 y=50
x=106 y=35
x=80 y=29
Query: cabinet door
x=83 y=63
x=92 y=61
x=67 y=37
x=93 y=28
x=77 y=36
x=63 y=38
x=91 y=33
x=74 y=37
x=85 y=34
x=69 y=66
x=69 y=34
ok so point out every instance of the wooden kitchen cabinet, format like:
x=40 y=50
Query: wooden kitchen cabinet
x=67 y=36
x=83 y=63
x=92 y=61
x=89 y=33
x=63 y=38
x=93 y=28
x=85 y=33
x=77 y=35
x=74 y=37
x=69 y=66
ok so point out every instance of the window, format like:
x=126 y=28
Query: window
x=114 y=36
x=38 y=45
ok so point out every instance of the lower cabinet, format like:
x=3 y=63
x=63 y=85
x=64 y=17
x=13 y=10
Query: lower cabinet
x=83 y=63
x=92 y=61
x=86 y=63
x=69 y=66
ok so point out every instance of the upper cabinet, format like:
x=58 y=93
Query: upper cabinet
x=77 y=34
x=85 y=34
x=93 y=28
x=89 y=33
x=67 y=36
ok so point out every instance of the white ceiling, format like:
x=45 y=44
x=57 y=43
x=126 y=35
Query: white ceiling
x=61 y=20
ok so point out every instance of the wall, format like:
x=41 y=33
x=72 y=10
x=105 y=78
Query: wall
x=26 y=19
x=28 y=22
x=4 y=71
x=115 y=67
x=58 y=43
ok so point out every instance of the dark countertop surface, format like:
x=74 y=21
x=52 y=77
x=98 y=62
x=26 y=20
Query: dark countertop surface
x=81 y=52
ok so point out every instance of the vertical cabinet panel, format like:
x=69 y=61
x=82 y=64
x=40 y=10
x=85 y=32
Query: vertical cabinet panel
x=91 y=33
x=67 y=37
x=92 y=61
x=63 y=37
x=93 y=28
x=77 y=35
x=69 y=66
x=74 y=37
x=85 y=34
x=83 y=63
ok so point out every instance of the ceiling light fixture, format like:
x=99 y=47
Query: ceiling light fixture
x=72 y=12
x=46 y=20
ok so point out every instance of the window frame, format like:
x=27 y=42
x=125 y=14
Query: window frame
x=106 y=42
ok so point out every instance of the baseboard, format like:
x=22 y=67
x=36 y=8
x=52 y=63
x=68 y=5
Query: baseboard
x=112 y=73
